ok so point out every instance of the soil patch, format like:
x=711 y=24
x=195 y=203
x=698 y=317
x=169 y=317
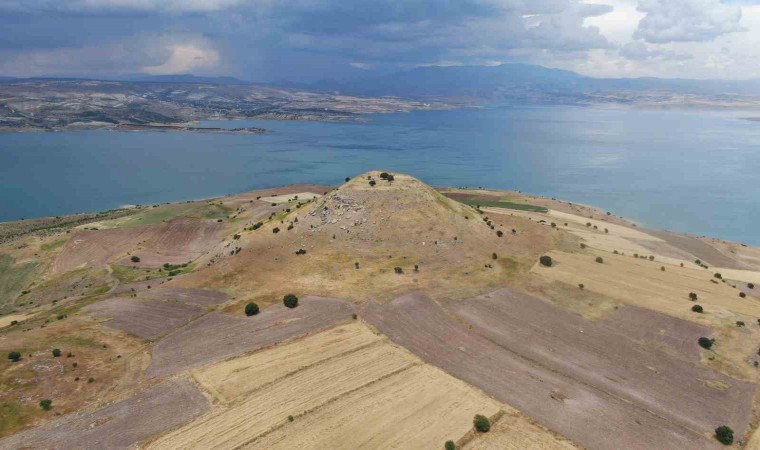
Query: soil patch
x=144 y=318
x=200 y=297
x=121 y=425
x=586 y=415
x=218 y=336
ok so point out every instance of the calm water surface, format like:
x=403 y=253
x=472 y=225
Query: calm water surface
x=690 y=171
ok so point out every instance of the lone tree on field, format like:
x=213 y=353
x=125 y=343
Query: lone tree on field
x=546 y=261
x=718 y=276
x=742 y=294
x=46 y=404
x=56 y=352
x=697 y=309
x=705 y=343
x=14 y=356
x=724 y=435
x=449 y=445
x=251 y=309
x=372 y=182
x=135 y=259
x=751 y=285
x=398 y=270
x=693 y=296
x=482 y=424
x=599 y=259
x=290 y=300
x=500 y=233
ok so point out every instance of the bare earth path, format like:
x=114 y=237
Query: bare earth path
x=586 y=415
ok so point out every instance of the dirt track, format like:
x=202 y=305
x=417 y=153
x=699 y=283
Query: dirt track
x=144 y=318
x=121 y=425
x=597 y=355
x=217 y=335
x=583 y=414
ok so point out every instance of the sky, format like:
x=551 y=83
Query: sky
x=306 y=41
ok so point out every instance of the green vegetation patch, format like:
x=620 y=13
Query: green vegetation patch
x=151 y=216
x=503 y=204
x=14 y=278
x=12 y=418
x=127 y=274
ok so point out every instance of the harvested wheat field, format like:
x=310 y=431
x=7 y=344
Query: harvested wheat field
x=513 y=431
x=217 y=335
x=360 y=392
x=144 y=318
x=596 y=354
x=121 y=425
x=582 y=413
x=230 y=379
x=200 y=297
x=642 y=283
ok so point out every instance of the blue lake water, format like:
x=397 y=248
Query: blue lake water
x=689 y=171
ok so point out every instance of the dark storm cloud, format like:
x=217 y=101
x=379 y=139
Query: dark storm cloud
x=299 y=40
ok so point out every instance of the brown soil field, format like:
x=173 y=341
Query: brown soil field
x=513 y=431
x=200 y=297
x=217 y=335
x=596 y=354
x=702 y=250
x=144 y=318
x=120 y=425
x=362 y=392
x=665 y=333
x=586 y=415
x=642 y=283
x=175 y=242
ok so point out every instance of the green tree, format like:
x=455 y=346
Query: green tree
x=482 y=424
x=251 y=309
x=56 y=352
x=546 y=261
x=46 y=404
x=14 y=356
x=599 y=259
x=693 y=296
x=450 y=445
x=697 y=309
x=705 y=342
x=724 y=435
x=135 y=259
x=290 y=300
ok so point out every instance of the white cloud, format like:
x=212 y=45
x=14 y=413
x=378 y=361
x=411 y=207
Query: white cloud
x=185 y=58
x=686 y=20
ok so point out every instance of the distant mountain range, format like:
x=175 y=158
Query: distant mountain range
x=527 y=81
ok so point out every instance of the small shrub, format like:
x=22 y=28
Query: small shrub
x=384 y=175
x=449 y=445
x=354 y=316
x=14 y=356
x=599 y=259
x=662 y=268
x=46 y=404
x=300 y=251
x=546 y=261
x=554 y=225
x=290 y=300
x=416 y=268
x=348 y=179
x=697 y=309
x=251 y=309
x=256 y=225
x=74 y=364
x=290 y=418
x=693 y=296
x=718 y=276
x=751 y=285
x=499 y=233
x=742 y=294
x=398 y=270
x=135 y=259
x=581 y=286
x=275 y=230
x=91 y=380
x=724 y=435
x=740 y=323
x=494 y=256
x=356 y=265
x=583 y=245
x=651 y=257
x=481 y=423
x=372 y=183
x=705 y=343
x=56 y=352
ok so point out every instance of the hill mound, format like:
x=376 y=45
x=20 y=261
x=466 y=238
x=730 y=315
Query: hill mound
x=370 y=237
